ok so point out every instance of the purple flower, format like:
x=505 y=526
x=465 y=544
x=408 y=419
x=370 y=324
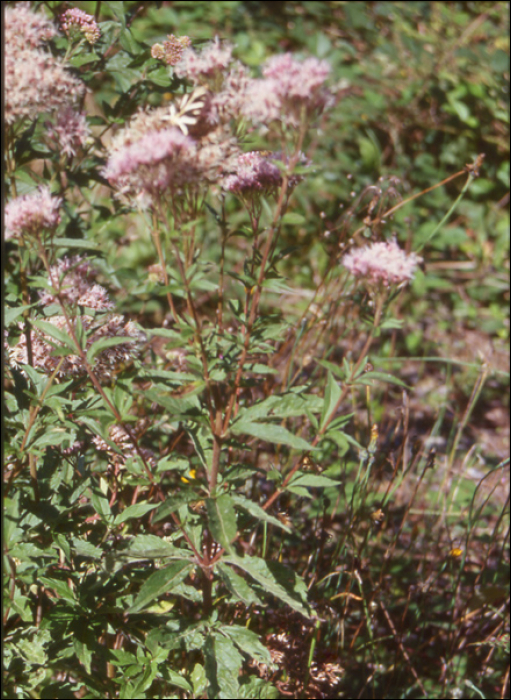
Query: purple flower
x=383 y=262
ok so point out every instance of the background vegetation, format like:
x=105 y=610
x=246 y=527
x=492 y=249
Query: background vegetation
x=403 y=558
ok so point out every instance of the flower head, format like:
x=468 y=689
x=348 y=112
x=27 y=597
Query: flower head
x=75 y=22
x=171 y=50
x=383 y=262
x=25 y=28
x=69 y=133
x=35 y=81
x=31 y=213
x=157 y=161
x=205 y=66
x=257 y=172
x=289 y=92
x=74 y=279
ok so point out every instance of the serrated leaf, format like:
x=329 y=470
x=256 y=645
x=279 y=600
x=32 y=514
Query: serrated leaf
x=223 y=664
x=160 y=582
x=238 y=586
x=60 y=587
x=270 y=432
x=249 y=643
x=258 y=569
x=222 y=519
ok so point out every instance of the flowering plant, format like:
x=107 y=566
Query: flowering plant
x=167 y=418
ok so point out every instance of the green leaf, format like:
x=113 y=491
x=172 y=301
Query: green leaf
x=11 y=315
x=135 y=511
x=382 y=376
x=258 y=512
x=248 y=642
x=60 y=587
x=314 y=481
x=270 y=432
x=260 y=571
x=238 y=586
x=335 y=369
x=152 y=547
x=222 y=519
x=104 y=343
x=160 y=582
x=101 y=505
x=332 y=396
x=56 y=333
x=174 y=503
x=293 y=219
x=223 y=664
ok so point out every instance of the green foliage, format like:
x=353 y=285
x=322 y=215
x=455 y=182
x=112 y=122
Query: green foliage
x=232 y=468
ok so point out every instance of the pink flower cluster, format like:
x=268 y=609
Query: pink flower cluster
x=35 y=81
x=159 y=160
x=254 y=173
x=383 y=263
x=205 y=66
x=69 y=133
x=171 y=50
x=32 y=213
x=26 y=29
x=289 y=92
x=75 y=21
x=73 y=277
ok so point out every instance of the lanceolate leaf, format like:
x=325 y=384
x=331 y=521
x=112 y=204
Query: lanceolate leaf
x=257 y=511
x=258 y=569
x=271 y=432
x=160 y=582
x=332 y=396
x=222 y=519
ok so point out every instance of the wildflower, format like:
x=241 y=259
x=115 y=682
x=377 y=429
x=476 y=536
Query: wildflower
x=105 y=363
x=157 y=161
x=30 y=213
x=289 y=92
x=26 y=29
x=206 y=66
x=256 y=171
x=383 y=262
x=73 y=278
x=69 y=133
x=35 y=81
x=172 y=49
x=75 y=22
